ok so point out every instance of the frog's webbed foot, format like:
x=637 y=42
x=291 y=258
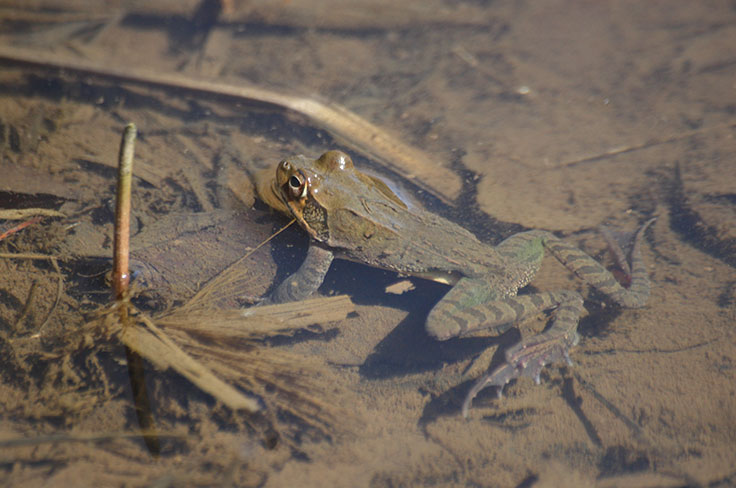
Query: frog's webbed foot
x=528 y=357
x=626 y=249
x=624 y=246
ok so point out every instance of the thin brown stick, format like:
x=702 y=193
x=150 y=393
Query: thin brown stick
x=19 y=227
x=657 y=141
x=121 y=246
x=121 y=282
x=30 y=299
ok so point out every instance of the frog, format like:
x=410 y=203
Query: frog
x=352 y=215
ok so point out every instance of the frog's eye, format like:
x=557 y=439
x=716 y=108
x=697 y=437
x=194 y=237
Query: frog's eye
x=297 y=185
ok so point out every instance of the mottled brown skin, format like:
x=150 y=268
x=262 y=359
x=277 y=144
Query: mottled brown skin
x=354 y=216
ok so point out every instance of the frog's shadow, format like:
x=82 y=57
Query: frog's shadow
x=407 y=349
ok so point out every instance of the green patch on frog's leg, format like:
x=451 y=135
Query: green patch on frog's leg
x=475 y=304
x=306 y=279
x=456 y=313
x=525 y=251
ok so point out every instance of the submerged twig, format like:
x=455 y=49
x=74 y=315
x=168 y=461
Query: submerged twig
x=59 y=292
x=19 y=227
x=54 y=438
x=657 y=141
x=24 y=213
x=28 y=305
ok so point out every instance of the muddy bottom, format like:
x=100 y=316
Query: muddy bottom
x=501 y=117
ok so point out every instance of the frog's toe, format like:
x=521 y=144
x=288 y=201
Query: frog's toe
x=527 y=358
x=499 y=378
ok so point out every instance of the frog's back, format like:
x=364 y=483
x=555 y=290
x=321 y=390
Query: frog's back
x=413 y=242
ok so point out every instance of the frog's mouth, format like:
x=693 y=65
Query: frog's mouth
x=268 y=190
x=291 y=206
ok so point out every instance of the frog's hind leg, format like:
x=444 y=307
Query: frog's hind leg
x=455 y=317
x=626 y=249
x=491 y=303
x=529 y=356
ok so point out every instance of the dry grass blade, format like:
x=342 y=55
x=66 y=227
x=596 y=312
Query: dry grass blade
x=259 y=321
x=19 y=227
x=24 y=213
x=59 y=293
x=306 y=312
x=288 y=383
x=152 y=343
x=217 y=352
x=79 y=437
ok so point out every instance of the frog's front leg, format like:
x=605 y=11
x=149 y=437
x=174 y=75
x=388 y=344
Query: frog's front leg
x=306 y=279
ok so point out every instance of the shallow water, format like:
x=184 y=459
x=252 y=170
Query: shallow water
x=561 y=116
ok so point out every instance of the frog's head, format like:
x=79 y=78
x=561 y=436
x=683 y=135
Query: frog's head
x=315 y=192
x=301 y=184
